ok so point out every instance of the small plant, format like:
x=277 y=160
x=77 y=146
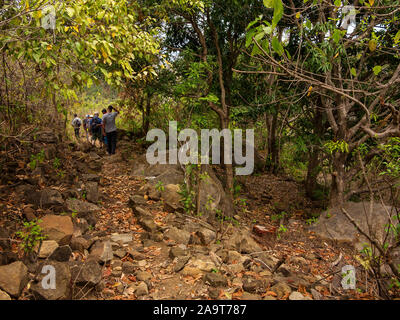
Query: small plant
x=160 y=186
x=187 y=199
x=36 y=159
x=276 y=217
x=56 y=163
x=311 y=220
x=282 y=229
x=31 y=235
x=74 y=214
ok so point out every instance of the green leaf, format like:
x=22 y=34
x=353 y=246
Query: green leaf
x=338 y=3
x=278 y=12
x=268 y=3
x=377 y=70
x=353 y=72
x=277 y=46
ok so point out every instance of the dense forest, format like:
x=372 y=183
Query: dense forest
x=316 y=80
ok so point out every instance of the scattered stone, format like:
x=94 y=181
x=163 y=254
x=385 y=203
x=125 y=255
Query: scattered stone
x=242 y=242
x=142 y=289
x=58 y=228
x=148 y=224
x=61 y=254
x=206 y=236
x=29 y=213
x=295 y=295
x=116 y=272
x=136 y=200
x=215 y=279
x=120 y=253
x=171 y=197
x=177 y=235
x=233 y=257
x=191 y=271
x=128 y=267
x=250 y=296
x=47 y=248
x=124 y=237
x=181 y=262
x=253 y=285
x=213 y=293
x=80 y=244
x=176 y=252
x=316 y=295
x=281 y=289
x=88 y=273
x=13 y=278
x=269 y=298
x=143 y=276
x=92 y=192
x=101 y=251
x=203 y=265
x=81 y=207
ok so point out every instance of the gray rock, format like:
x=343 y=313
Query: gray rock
x=143 y=276
x=295 y=295
x=80 y=244
x=316 y=295
x=61 y=254
x=7 y=257
x=253 y=285
x=47 y=248
x=176 y=252
x=180 y=263
x=88 y=273
x=101 y=251
x=177 y=235
x=142 y=289
x=92 y=192
x=250 y=296
x=13 y=278
x=128 y=267
x=206 y=236
x=90 y=177
x=81 y=207
x=215 y=279
x=281 y=289
x=171 y=197
x=148 y=224
x=333 y=224
x=242 y=242
x=122 y=237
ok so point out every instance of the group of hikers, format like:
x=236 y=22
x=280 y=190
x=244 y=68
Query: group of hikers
x=102 y=129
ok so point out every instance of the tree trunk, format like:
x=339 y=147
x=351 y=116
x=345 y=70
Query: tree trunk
x=338 y=180
x=273 y=150
x=313 y=168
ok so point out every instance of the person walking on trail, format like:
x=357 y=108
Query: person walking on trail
x=76 y=123
x=110 y=129
x=104 y=111
x=86 y=126
x=95 y=126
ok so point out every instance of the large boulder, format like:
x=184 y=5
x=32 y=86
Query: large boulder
x=334 y=225
x=46 y=198
x=171 y=197
x=243 y=242
x=84 y=209
x=13 y=278
x=58 y=228
x=86 y=273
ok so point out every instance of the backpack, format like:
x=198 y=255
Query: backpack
x=78 y=122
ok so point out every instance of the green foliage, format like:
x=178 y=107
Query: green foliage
x=281 y=230
x=31 y=235
x=187 y=199
x=160 y=186
x=337 y=146
x=36 y=159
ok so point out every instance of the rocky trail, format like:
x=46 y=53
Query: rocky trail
x=113 y=233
